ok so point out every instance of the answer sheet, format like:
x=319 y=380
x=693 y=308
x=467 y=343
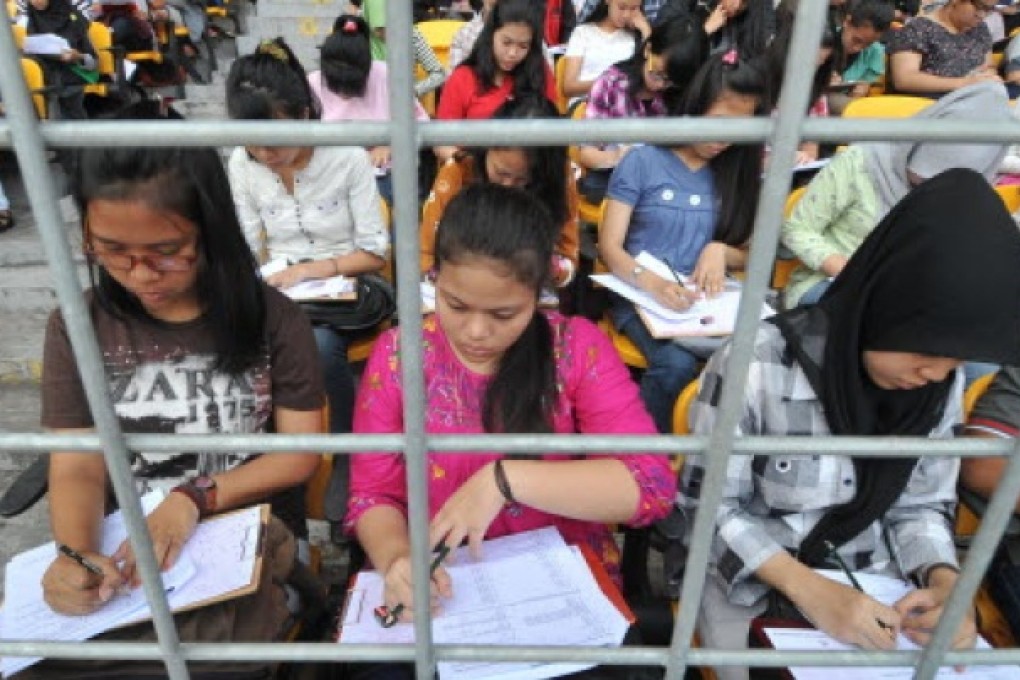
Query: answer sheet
x=528 y=589
x=886 y=590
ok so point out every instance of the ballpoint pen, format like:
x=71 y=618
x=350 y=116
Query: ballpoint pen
x=704 y=320
x=70 y=552
x=386 y=616
x=853 y=579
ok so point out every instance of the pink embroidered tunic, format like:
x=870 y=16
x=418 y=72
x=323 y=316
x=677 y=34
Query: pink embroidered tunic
x=596 y=395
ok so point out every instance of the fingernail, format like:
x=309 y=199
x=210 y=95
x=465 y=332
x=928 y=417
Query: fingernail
x=105 y=594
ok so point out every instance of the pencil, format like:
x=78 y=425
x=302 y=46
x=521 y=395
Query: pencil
x=853 y=579
x=68 y=551
x=386 y=616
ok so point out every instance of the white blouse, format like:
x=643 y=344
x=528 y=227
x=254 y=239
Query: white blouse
x=333 y=211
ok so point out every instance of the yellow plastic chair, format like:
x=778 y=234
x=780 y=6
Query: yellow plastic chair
x=560 y=73
x=1010 y=195
x=886 y=106
x=588 y=212
x=36 y=82
x=19 y=32
x=439 y=35
x=625 y=348
x=106 y=60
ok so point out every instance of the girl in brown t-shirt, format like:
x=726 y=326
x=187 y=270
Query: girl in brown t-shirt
x=191 y=340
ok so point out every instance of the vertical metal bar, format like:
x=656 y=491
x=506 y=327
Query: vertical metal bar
x=404 y=144
x=31 y=154
x=993 y=526
x=793 y=105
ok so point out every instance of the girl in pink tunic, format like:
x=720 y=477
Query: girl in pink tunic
x=494 y=362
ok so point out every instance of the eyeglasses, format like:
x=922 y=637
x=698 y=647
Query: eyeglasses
x=659 y=77
x=125 y=262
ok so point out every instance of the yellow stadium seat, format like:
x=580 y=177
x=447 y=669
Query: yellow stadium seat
x=19 y=35
x=589 y=213
x=1010 y=195
x=561 y=98
x=439 y=35
x=886 y=106
x=36 y=82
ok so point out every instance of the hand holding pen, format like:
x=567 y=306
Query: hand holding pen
x=398 y=578
x=889 y=628
x=80 y=582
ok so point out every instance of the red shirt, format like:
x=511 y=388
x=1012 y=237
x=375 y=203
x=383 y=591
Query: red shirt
x=463 y=98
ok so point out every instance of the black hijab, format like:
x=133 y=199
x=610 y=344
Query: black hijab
x=54 y=19
x=940 y=276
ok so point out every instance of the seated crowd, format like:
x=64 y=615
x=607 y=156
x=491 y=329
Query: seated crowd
x=906 y=290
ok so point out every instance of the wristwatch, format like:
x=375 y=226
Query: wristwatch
x=201 y=491
x=637 y=271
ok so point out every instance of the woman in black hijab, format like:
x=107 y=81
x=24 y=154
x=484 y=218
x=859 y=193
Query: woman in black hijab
x=937 y=283
x=58 y=17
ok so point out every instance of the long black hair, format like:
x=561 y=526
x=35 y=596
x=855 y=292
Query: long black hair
x=515 y=230
x=774 y=59
x=530 y=74
x=346 y=57
x=736 y=171
x=192 y=183
x=547 y=165
x=270 y=83
x=752 y=29
x=682 y=45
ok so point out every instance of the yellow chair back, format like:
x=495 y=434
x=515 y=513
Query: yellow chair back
x=36 y=81
x=102 y=41
x=561 y=98
x=19 y=35
x=1010 y=195
x=886 y=106
x=439 y=35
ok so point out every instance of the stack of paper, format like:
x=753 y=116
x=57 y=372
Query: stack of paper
x=219 y=559
x=528 y=589
x=706 y=317
x=886 y=590
x=334 y=288
x=48 y=44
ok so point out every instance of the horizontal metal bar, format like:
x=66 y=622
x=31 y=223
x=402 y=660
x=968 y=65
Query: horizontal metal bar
x=627 y=656
x=970 y=447
x=525 y=133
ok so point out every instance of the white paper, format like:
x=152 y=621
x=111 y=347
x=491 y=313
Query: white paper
x=317 y=289
x=218 y=558
x=528 y=589
x=49 y=44
x=274 y=266
x=886 y=590
x=708 y=316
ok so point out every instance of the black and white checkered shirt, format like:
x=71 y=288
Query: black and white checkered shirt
x=771 y=503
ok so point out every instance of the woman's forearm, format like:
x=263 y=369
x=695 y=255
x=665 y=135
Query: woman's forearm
x=599 y=490
x=77 y=495
x=382 y=532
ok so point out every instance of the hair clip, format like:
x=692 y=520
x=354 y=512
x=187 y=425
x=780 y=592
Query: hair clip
x=350 y=26
x=730 y=58
x=273 y=49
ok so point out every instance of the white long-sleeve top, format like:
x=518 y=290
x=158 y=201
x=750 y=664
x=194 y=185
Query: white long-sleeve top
x=334 y=209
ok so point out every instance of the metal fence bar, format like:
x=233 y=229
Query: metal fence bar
x=404 y=142
x=20 y=132
x=877 y=447
x=523 y=133
x=792 y=109
x=31 y=154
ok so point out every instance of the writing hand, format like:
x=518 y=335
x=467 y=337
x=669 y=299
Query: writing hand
x=398 y=588
x=672 y=295
x=849 y=615
x=170 y=525
x=469 y=511
x=291 y=276
x=70 y=56
x=921 y=611
x=69 y=588
x=710 y=271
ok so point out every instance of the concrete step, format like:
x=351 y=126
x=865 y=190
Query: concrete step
x=301 y=8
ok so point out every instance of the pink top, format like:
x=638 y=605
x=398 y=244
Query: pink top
x=373 y=105
x=463 y=98
x=597 y=395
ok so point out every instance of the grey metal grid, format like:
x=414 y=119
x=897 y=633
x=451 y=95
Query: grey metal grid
x=30 y=141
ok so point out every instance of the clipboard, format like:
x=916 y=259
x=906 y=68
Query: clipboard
x=758 y=635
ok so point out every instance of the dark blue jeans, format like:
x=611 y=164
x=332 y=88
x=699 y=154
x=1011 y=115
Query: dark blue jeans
x=670 y=369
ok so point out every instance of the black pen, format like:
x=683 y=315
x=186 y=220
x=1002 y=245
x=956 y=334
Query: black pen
x=853 y=579
x=80 y=559
x=387 y=617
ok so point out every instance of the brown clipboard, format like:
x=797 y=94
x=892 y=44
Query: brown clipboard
x=247 y=589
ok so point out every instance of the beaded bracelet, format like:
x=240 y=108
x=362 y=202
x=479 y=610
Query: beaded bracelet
x=502 y=483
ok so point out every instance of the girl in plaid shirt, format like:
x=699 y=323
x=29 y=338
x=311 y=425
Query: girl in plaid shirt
x=877 y=356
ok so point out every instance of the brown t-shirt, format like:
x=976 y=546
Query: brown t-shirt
x=161 y=380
